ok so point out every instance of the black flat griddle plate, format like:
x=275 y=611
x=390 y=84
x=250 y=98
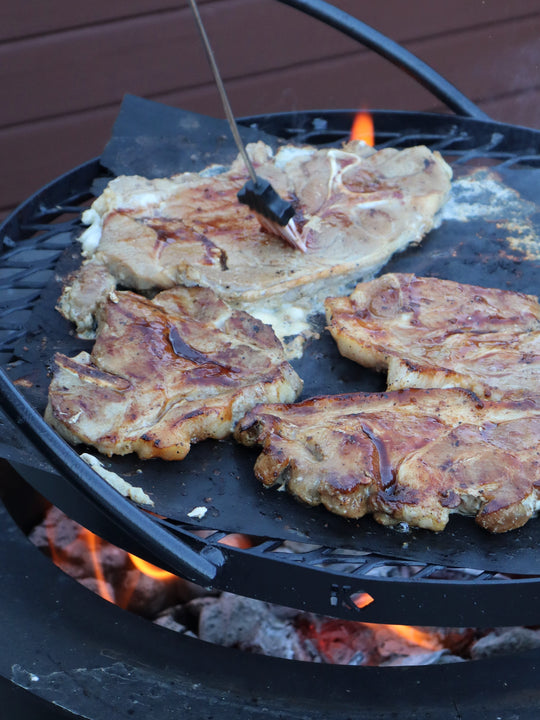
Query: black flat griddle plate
x=155 y=140
x=498 y=248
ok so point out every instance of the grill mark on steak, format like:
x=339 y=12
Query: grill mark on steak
x=386 y=472
x=172 y=230
x=167 y=372
x=182 y=349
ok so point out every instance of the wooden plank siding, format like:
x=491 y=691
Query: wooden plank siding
x=64 y=67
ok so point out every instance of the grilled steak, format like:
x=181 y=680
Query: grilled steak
x=83 y=296
x=167 y=372
x=436 y=333
x=355 y=208
x=412 y=456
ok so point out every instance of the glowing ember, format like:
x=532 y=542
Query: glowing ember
x=346 y=642
x=237 y=540
x=156 y=594
x=363 y=128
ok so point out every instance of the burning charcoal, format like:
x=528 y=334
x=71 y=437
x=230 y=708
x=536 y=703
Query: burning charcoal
x=148 y=596
x=108 y=570
x=188 y=613
x=255 y=626
x=105 y=590
x=459 y=640
x=248 y=624
x=113 y=560
x=511 y=640
x=337 y=642
x=196 y=606
x=341 y=642
x=74 y=549
x=166 y=620
x=56 y=528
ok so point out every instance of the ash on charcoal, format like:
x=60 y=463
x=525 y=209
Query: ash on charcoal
x=505 y=641
x=357 y=659
x=249 y=624
x=438 y=657
x=166 y=620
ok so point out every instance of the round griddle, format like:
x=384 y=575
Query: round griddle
x=218 y=476
x=490 y=238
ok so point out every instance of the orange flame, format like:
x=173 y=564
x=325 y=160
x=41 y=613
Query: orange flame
x=91 y=542
x=102 y=585
x=363 y=128
x=151 y=570
x=413 y=635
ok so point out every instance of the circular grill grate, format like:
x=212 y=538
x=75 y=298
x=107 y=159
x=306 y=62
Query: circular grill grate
x=350 y=584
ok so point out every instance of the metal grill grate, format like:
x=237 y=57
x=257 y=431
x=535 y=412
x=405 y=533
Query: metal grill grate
x=321 y=579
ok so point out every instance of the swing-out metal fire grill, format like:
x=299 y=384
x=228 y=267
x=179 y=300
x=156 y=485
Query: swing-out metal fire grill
x=460 y=577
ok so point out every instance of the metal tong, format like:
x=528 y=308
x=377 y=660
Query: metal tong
x=275 y=214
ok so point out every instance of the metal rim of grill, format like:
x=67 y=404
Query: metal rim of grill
x=54 y=668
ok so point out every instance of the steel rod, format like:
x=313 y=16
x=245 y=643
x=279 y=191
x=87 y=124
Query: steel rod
x=222 y=92
x=392 y=51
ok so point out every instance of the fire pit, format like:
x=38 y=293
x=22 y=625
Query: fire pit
x=76 y=651
x=73 y=654
x=253 y=625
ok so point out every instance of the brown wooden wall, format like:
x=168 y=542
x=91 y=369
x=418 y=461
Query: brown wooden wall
x=65 y=66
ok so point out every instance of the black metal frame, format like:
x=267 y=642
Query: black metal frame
x=74 y=655
x=392 y=51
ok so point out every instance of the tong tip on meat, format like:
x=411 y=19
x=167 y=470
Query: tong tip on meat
x=288 y=232
x=275 y=214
